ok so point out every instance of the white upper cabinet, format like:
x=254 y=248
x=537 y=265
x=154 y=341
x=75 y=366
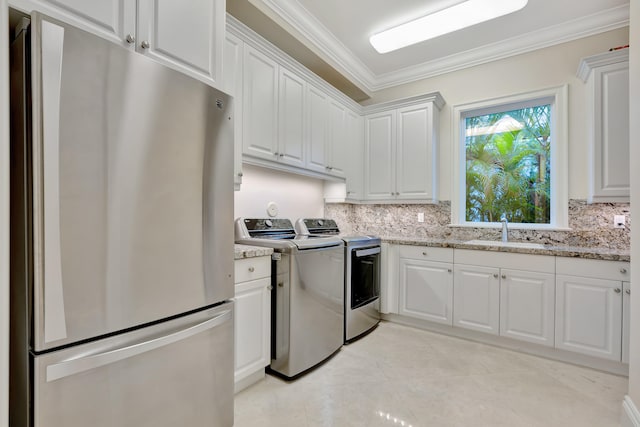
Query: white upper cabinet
x=379 y=161
x=417 y=157
x=607 y=78
x=317 y=126
x=291 y=112
x=354 y=171
x=232 y=84
x=260 y=105
x=111 y=19
x=337 y=140
x=401 y=157
x=186 y=35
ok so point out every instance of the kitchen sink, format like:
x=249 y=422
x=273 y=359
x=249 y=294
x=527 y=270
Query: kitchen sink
x=524 y=245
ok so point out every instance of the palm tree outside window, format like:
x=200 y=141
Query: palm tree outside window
x=508 y=165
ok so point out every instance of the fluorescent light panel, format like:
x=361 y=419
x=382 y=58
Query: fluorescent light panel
x=462 y=15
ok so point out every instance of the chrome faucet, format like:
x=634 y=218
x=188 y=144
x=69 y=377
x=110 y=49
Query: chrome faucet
x=505 y=229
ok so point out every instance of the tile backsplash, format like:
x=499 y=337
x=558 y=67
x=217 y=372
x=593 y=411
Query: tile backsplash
x=591 y=224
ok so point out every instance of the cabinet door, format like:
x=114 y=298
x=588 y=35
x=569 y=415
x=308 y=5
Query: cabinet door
x=589 y=316
x=426 y=290
x=476 y=302
x=111 y=19
x=291 y=119
x=380 y=157
x=337 y=139
x=232 y=84
x=354 y=173
x=187 y=35
x=252 y=327
x=317 y=119
x=527 y=301
x=416 y=154
x=259 y=102
x=610 y=157
x=626 y=325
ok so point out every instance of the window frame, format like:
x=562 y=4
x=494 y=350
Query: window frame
x=557 y=97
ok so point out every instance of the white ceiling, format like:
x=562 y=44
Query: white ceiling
x=340 y=29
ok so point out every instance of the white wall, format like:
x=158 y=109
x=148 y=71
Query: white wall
x=634 y=100
x=296 y=196
x=4 y=214
x=553 y=66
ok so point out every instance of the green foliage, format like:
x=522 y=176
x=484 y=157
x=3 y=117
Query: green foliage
x=508 y=166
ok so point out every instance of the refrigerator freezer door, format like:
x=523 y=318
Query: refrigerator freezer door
x=176 y=373
x=133 y=188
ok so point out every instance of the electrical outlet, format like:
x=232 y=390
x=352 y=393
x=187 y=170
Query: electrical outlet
x=618 y=221
x=420 y=216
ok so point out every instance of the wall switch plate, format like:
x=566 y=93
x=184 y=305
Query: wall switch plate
x=619 y=221
x=420 y=216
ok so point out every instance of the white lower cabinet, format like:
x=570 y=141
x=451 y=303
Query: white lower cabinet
x=592 y=307
x=574 y=304
x=626 y=320
x=252 y=319
x=527 y=301
x=589 y=316
x=426 y=283
x=506 y=294
x=476 y=303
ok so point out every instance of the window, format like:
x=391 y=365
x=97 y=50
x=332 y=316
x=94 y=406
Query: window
x=510 y=160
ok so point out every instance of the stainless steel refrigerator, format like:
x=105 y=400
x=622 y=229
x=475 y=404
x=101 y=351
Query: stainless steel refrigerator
x=121 y=237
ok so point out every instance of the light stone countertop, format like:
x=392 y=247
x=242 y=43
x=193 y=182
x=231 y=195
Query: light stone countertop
x=245 y=251
x=565 y=251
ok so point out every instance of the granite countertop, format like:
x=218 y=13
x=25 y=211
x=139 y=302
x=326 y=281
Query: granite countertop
x=565 y=251
x=246 y=251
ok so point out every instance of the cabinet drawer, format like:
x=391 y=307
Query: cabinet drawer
x=252 y=268
x=594 y=268
x=426 y=253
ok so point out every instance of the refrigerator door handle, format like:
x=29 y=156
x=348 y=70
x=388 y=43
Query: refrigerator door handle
x=75 y=366
x=52 y=43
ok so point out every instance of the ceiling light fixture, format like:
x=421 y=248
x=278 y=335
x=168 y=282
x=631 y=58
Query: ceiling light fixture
x=462 y=15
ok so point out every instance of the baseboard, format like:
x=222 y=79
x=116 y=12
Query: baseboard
x=630 y=415
x=249 y=380
x=610 y=366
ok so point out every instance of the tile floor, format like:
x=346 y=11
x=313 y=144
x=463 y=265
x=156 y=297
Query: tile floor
x=402 y=376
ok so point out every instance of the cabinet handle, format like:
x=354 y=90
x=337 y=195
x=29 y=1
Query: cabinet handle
x=449 y=270
x=281 y=285
x=130 y=39
x=623 y=270
x=240 y=174
x=276 y=154
x=617 y=290
x=144 y=44
x=269 y=288
x=424 y=253
x=281 y=155
x=495 y=275
x=504 y=276
x=628 y=291
x=251 y=269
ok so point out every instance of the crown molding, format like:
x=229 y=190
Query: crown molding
x=331 y=48
x=606 y=58
x=250 y=37
x=339 y=56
